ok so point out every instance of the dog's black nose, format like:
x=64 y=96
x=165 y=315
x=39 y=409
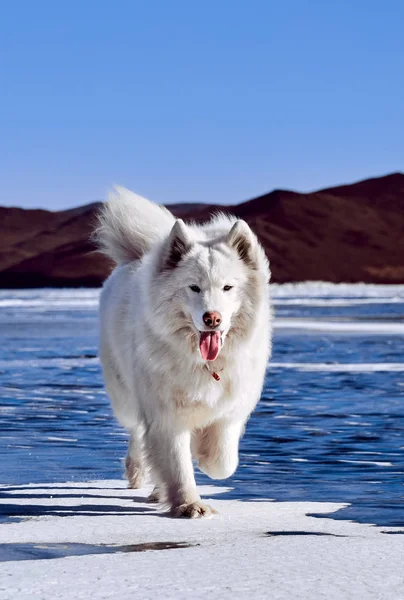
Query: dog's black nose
x=212 y=319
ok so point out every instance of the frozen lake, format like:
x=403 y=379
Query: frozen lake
x=329 y=427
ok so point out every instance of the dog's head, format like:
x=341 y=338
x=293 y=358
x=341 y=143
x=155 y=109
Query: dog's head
x=213 y=276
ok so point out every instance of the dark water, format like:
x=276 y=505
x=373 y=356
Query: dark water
x=329 y=427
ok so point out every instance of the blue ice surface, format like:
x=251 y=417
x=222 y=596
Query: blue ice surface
x=329 y=426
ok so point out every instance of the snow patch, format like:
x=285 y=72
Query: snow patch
x=248 y=549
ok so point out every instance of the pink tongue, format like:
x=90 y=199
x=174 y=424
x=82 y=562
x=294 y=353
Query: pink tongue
x=209 y=344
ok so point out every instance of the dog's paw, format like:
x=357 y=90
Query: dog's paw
x=157 y=496
x=153 y=498
x=136 y=482
x=194 y=510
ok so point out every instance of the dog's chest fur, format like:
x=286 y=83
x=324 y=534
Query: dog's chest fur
x=201 y=398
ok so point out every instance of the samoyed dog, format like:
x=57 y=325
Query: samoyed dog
x=184 y=342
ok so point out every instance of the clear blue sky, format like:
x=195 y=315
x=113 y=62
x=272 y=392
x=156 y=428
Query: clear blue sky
x=184 y=101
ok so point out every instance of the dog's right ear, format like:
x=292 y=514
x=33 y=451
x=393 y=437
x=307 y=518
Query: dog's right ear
x=177 y=245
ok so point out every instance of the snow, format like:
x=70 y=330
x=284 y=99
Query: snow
x=339 y=367
x=256 y=549
x=384 y=328
x=323 y=289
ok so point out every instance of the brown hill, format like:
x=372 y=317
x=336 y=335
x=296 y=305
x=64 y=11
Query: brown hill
x=343 y=234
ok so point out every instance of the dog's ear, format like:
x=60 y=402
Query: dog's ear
x=178 y=244
x=242 y=239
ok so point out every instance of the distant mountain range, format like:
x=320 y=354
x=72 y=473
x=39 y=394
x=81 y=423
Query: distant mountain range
x=349 y=233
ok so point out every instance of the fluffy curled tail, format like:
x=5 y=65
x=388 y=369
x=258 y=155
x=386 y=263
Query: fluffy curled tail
x=129 y=225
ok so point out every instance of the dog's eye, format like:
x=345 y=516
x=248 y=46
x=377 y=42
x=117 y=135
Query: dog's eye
x=227 y=288
x=195 y=288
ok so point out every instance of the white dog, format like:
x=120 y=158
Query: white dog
x=185 y=341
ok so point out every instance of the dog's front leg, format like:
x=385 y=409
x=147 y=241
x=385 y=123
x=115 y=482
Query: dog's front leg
x=216 y=448
x=169 y=451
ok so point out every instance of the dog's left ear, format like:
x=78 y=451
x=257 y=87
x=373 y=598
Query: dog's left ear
x=242 y=239
x=178 y=244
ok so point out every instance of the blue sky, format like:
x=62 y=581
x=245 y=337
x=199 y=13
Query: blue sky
x=196 y=101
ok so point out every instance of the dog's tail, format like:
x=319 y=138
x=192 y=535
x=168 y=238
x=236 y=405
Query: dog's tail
x=129 y=225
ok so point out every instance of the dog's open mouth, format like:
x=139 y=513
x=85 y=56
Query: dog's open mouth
x=210 y=343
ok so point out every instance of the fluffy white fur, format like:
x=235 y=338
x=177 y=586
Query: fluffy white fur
x=161 y=389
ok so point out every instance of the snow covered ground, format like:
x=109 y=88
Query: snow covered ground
x=99 y=540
